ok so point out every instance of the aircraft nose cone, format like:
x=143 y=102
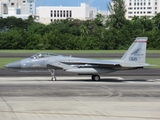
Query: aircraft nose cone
x=14 y=65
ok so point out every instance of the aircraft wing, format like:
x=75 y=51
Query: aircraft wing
x=71 y=64
x=101 y=64
x=92 y=63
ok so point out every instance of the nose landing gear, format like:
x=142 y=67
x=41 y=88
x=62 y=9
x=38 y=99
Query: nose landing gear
x=52 y=71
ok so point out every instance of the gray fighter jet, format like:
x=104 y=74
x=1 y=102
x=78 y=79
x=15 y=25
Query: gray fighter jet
x=134 y=58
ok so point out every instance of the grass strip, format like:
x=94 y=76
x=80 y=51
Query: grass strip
x=75 y=51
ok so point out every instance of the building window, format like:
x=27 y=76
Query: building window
x=144 y=8
x=61 y=13
x=51 y=20
x=129 y=16
x=149 y=3
x=155 y=3
x=149 y=12
x=54 y=13
x=137 y=12
x=149 y=8
x=155 y=8
x=51 y=13
x=64 y=13
x=135 y=8
x=70 y=13
x=67 y=13
x=12 y=4
x=130 y=4
x=58 y=13
x=134 y=4
x=129 y=12
x=134 y=12
x=155 y=12
x=130 y=8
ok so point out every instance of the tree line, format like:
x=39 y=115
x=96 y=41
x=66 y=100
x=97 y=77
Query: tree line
x=115 y=32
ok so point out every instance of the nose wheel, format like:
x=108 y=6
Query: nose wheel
x=52 y=71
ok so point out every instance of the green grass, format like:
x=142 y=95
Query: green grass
x=74 y=51
x=155 y=61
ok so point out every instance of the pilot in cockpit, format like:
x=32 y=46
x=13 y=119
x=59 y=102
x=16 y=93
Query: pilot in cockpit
x=39 y=56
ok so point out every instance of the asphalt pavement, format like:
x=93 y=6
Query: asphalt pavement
x=79 y=98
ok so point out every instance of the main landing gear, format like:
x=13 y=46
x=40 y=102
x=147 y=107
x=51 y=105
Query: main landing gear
x=95 y=77
x=52 y=71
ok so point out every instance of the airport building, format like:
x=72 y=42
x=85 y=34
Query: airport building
x=17 y=8
x=142 y=8
x=47 y=14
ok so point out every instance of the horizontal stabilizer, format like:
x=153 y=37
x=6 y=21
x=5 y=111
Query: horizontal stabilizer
x=140 y=65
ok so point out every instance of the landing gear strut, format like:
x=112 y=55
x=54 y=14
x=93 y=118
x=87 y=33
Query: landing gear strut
x=96 y=77
x=52 y=71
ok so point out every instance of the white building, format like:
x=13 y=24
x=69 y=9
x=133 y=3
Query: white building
x=142 y=8
x=17 y=8
x=47 y=14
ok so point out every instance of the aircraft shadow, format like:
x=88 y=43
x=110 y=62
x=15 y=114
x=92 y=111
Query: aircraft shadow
x=84 y=80
x=104 y=80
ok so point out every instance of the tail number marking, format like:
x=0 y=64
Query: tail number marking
x=132 y=58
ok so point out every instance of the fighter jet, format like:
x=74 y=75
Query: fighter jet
x=134 y=58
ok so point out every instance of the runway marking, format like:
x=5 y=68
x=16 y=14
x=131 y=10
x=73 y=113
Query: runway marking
x=153 y=80
x=75 y=114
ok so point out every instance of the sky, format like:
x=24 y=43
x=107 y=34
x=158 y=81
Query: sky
x=100 y=4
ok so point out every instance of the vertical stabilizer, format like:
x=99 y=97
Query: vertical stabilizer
x=136 y=54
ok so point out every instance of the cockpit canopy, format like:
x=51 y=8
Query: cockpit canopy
x=42 y=55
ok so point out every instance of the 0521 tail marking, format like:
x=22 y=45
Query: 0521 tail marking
x=136 y=53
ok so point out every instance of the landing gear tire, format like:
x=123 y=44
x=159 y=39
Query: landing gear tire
x=54 y=79
x=96 y=77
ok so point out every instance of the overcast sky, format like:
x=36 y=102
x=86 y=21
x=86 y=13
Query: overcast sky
x=100 y=4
